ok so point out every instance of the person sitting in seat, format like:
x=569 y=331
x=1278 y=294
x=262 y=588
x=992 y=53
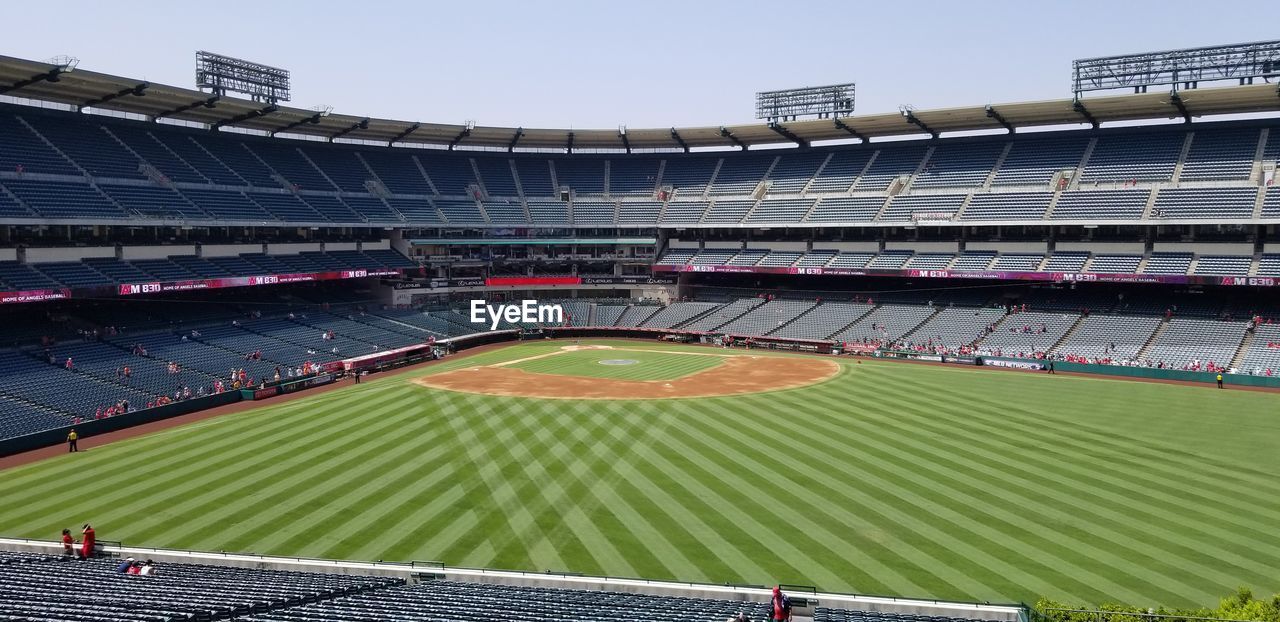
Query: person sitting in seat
x=124 y=566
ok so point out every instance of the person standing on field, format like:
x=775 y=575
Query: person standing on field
x=1219 y=380
x=72 y=437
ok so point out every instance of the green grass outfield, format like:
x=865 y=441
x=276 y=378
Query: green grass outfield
x=916 y=480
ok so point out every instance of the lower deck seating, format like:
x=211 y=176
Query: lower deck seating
x=63 y=589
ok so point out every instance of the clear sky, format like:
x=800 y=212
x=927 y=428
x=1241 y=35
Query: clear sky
x=651 y=63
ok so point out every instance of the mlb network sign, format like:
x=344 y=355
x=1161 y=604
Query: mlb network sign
x=527 y=312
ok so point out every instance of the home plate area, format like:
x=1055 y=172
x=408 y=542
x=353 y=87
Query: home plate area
x=723 y=374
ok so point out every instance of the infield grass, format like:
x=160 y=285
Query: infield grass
x=915 y=480
x=637 y=362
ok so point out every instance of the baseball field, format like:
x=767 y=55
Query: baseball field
x=701 y=464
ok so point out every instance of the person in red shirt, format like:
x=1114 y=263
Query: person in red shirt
x=779 y=606
x=68 y=543
x=87 y=544
x=134 y=568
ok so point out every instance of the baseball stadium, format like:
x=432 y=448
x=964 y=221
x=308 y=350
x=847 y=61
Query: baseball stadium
x=1006 y=362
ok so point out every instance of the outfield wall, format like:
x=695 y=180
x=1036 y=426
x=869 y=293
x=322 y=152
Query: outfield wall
x=425 y=571
x=94 y=427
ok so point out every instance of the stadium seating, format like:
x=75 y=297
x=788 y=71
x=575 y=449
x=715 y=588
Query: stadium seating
x=65 y=200
x=713 y=257
x=824 y=320
x=1066 y=261
x=1101 y=205
x=1223 y=265
x=482 y=602
x=675 y=314
x=683 y=212
x=1186 y=340
x=1215 y=203
x=1115 y=337
x=956 y=326
x=1029 y=332
x=1034 y=162
x=935 y=206
x=689 y=175
x=633 y=176
x=677 y=257
x=740 y=176
x=722 y=315
x=495 y=175
x=1220 y=154
x=1263 y=354
x=973 y=260
x=767 y=317
x=850 y=260
x=1268 y=265
x=1115 y=264
x=1168 y=263
x=1007 y=206
x=776 y=211
x=887 y=322
x=59 y=589
x=23 y=149
x=1018 y=262
x=845 y=209
x=841 y=171
x=227 y=176
x=930 y=261
x=727 y=212
x=636 y=315
x=1134 y=157
x=793 y=171
x=959 y=165
x=889 y=260
x=889 y=164
x=83 y=140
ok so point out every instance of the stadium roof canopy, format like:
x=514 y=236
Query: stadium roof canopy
x=28 y=79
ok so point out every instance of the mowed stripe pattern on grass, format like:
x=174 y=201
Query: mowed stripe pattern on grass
x=648 y=365
x=890 y=478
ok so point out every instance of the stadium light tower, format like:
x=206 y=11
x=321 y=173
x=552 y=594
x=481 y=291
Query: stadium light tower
x=823 y=102
x=221 y=74
x=1186 y=68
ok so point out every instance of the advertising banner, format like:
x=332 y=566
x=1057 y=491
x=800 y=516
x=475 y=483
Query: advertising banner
x=1056 y=277
x=35 y=295
x=155 y=287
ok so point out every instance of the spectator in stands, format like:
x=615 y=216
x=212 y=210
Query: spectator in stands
x=69 y=365
x=88 y=541
x=741 y=617
x=779 y=606
x=72 y=439
x=148 y=568
x=135 y=568
x=68 y=543
x=124 y=566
